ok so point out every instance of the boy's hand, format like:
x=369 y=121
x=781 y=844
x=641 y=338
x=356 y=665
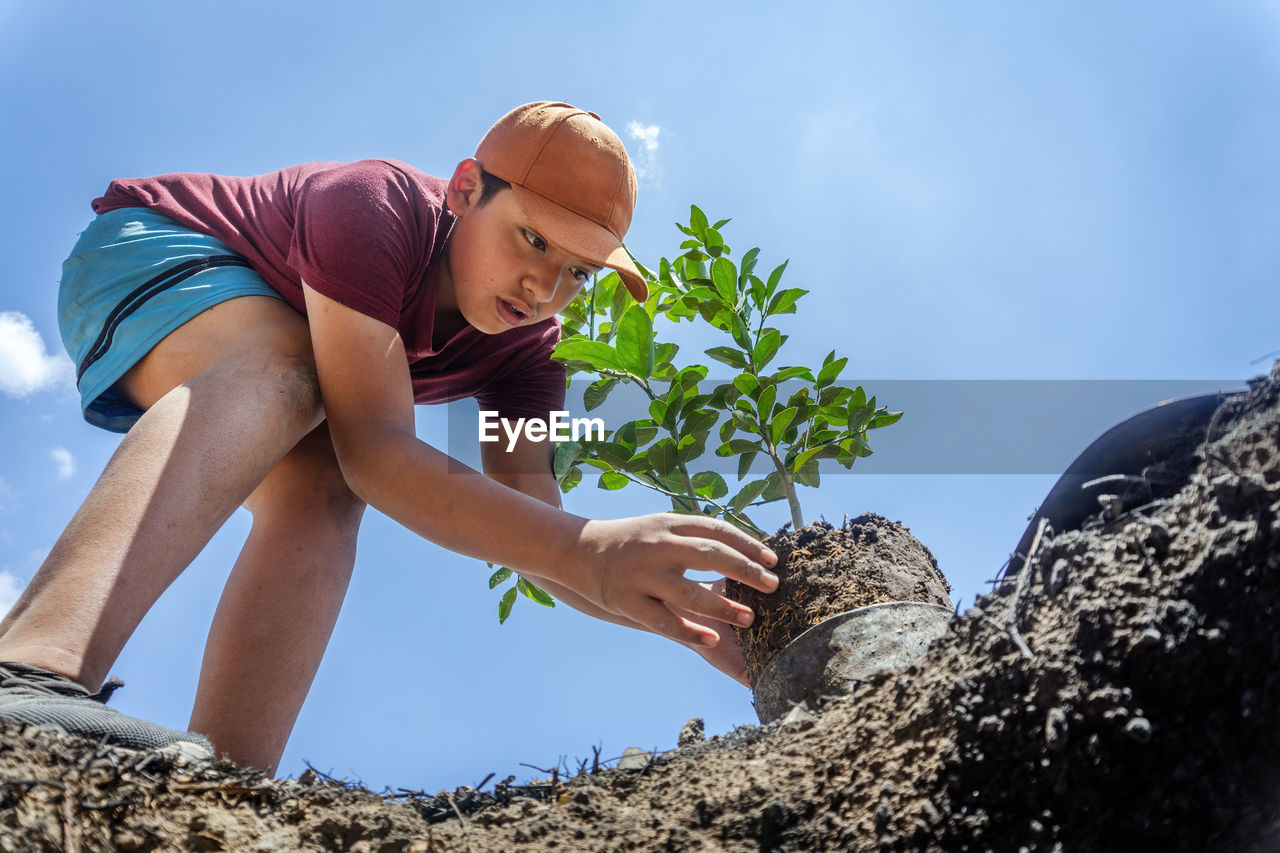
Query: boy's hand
x=634 y=568
x=725 y=655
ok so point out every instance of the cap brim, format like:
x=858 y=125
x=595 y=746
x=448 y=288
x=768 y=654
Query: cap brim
x=582 y=238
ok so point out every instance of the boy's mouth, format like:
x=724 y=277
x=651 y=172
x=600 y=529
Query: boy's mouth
x=511 y=313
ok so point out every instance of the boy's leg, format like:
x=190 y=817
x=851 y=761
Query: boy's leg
x=279 y=606
x=227 y=396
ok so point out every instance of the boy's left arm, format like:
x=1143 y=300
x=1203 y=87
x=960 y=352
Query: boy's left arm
x=527 y=468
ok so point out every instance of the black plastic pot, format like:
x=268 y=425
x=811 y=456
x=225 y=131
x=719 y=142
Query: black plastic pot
x=830 y=658
x=1125 y=453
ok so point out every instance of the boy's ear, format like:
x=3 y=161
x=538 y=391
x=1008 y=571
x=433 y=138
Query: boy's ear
x=465 y=187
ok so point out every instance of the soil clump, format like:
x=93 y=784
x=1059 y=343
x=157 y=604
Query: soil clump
x=825 y=570
x=1118 y=693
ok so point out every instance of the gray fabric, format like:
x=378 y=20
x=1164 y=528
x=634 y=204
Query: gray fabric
x=41 y=698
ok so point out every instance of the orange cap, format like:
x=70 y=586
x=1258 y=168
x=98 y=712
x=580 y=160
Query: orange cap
x=573 y=178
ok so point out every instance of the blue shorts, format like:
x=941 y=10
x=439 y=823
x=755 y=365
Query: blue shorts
x=133 y=277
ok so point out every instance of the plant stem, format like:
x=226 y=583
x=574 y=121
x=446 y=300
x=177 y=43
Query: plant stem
x=793 y=500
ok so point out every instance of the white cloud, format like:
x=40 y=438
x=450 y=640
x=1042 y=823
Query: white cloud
x=25 y=364
x=10 y=589
x=646 y=153
x=8 y=500
x=66 y=462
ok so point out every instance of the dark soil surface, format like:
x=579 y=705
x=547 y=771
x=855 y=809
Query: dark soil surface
x=824 y=570
x=1121 y=693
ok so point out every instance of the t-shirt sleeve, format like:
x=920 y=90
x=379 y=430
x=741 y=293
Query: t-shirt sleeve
x=528 y=387
x=357 y=237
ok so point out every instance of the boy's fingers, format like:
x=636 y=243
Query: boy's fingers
x=714 y=555
x=722 y=531
x=697 y=599
x=659 y=618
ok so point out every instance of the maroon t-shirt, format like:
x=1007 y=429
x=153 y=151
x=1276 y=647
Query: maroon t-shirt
x=371 y=236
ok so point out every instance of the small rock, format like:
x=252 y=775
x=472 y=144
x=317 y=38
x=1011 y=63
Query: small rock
x=634 y=758
x=694 y=731
x=798 y=716
x=1057 y=576
x=1139 y=728
x=775 y=817
x=1112 y=506
x=1055 y=729
x=1149 y=637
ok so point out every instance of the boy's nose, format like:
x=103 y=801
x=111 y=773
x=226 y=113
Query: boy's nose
x=541 y=285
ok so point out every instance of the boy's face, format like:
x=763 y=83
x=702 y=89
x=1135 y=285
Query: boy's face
x=501 y=272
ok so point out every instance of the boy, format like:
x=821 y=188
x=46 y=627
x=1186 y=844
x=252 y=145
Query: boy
x=262 y=341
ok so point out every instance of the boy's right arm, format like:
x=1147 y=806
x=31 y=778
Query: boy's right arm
x=631 y=567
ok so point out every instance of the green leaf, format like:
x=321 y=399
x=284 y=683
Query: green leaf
x=504 y=606
x=689 y=376
x=784 y=301
x=748 y=263
x=613 y=453
x=859 y=398
x=662 y=457
x=612 y=481
x=729 y=356
x=674 y=482
x=773 y=490
x=745 y=420
x=697 y=220
x=700 y=422
x=775 y=277
x=635 y=341
x=765 y=349
x=859 y=417
x=535 y=593
x=746 y=383
x=830 y=371
x=792 y=373
x=618 y=304
x=778 y=427
x=736 y=446
x=765 y=402
x=571 y=479
x=808 y=475
x=827 y=451
x=597 y=392
x=747 y=494
x=566 y=454
x=744 y=464
x=884 y=420
x=690 y=447
x=645 y=431
x=725 y=279
x=499 y=576
x=709 y=484
x=658 y=410
x=741 y=333
x=598 y=354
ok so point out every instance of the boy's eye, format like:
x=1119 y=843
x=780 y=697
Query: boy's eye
x=534 y=240
x=581 y=275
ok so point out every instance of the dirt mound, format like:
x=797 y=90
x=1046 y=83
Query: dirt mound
x=1119 y=693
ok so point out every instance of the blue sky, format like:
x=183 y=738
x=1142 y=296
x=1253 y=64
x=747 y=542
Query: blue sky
x=983 y=191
